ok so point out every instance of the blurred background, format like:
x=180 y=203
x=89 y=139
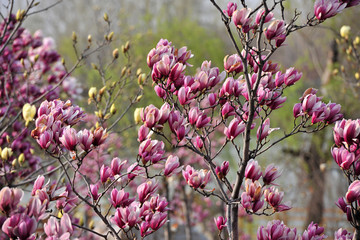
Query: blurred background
x=311 y=180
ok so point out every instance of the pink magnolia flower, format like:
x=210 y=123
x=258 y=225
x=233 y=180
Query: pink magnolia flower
x=143 y=133
x=227 y=110
x=151 y=151
x=20 y=226
x=172 y=166
x=146 y=189
x=223 y=170
x=274 y=198
x=233 y=63
x=253 y=189
x=158 y=220
x=120 y=198
x=117 y=165
x=324 y=9
x=105 y=173
x=235 y=127
x=291 y=76
x=45 y=139
x=264 y=130
x=150 y=116
x=160 y=92
x=157 y=203
x=85 y=139
x=230 y=8
x=276 y=30
x=94 y=190
x=220 y=222
x=38 y=184
x=353 y=193
x=196 y=179
x=253 y=170
x=184 y=95
x=10 y=198
x=62 y=231
x=343 y=157
x=260 y=14
x=100 y=136
x=343 y=234
x=271 y=174
x=276 y=229
x=127 y=217
x=313 y=232
x=242 y=19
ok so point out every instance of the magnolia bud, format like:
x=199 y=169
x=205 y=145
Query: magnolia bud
x=113 y=109
x=356 y=40
x=138 y=71
x=357 y=76
x=89 y=38
x=137 y=116
x=106 y=17
x=92 y=92
x=74 y=37
x=123 y=71
x=110 y=36
x=141 y=79
x=28 y=113
x=102 y=90
x=345 y=31
x=6 y=153
x=115 y=53
x=91 y=224
x=21 y=158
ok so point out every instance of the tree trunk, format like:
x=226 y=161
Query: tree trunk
x=316 y=177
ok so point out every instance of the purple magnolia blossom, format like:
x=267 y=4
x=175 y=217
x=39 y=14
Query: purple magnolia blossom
x=120 y=198
x=313 y=232
x=10 y=198
x=230 y=8
x=20 y=226
x=276 y=230
x=196 y=179
x=324 y=9
x=353 y=193
x=172 y=166
x=253 y=170
x=242 y=20
x=220 y=222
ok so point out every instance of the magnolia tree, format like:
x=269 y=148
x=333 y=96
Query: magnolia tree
x=78 y=183
x=236 y=104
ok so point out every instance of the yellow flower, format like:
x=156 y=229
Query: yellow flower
x=28 y=112
x=92 y=92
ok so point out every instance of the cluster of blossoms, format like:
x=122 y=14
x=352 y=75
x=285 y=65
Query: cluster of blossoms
x=311 y=107
x=22 y=222
x=148 y=212
x=276 y=229
x=54 y=128
x=30 y=67
x=346 y=154
x=252 y=199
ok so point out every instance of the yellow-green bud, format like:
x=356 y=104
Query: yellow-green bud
x=141 y=78
x=137 y=116
x=102 y=90
x=113 y=109
x=357 y=40
x=74 y=37
x=28 y=113
x=6 y=153
x=110 y=36
x=357 y=76
x=92 y=92
x=345 y=31
x=89 y=38
x=21 y=158
x=123 y=71
x=106 y=17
